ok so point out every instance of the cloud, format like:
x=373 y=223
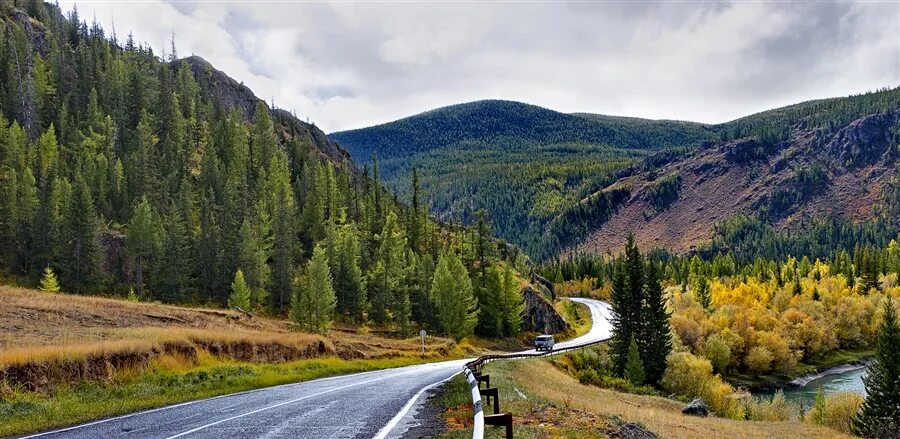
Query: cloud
x=346 y=65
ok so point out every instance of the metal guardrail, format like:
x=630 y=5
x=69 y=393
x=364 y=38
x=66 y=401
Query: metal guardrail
x=472 y=371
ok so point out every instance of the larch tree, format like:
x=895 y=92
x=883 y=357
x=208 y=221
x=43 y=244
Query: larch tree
x=240 y=293
x=49 y=283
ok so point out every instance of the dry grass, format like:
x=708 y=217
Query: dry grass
x=660 y=415
x=39 y=329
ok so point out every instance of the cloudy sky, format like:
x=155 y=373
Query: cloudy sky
x=351 y=64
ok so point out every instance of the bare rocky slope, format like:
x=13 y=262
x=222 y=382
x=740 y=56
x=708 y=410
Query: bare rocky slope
x=846 y=172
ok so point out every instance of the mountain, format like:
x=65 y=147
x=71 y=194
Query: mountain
x=164 y=179
x=521 y=163
x=826 y=166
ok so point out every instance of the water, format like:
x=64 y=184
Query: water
x=847 y=381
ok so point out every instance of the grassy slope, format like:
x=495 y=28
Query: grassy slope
x=558 y=406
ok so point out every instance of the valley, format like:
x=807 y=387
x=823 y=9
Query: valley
x=181 y=257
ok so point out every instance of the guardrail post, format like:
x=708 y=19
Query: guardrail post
x=503 y=419
x=483 y=379
x=492 y=393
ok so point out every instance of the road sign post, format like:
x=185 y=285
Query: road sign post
x=422 y=335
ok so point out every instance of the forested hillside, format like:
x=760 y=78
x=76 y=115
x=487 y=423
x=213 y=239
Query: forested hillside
x=800 y=180
x=522 y=164
x=122 y=172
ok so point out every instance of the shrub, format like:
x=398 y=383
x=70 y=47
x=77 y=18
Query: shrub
x=588 y=376
x=718 y=352
x=776 y=408
x=758 y=360
x=689 y=376
x=836 y=411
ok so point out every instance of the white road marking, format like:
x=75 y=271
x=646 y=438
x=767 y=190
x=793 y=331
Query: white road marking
x=382 y=434
x=202 y=427
x=143 y=412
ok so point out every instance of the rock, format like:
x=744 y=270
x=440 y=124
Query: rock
x=630 y=430
x=864 y=141
x=697 y=407
x=539 y=314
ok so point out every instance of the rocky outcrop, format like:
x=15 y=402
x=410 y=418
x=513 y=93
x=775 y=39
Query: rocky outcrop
x=696 y=407
x=539 y=314
x=237 y=96
x=864 y=141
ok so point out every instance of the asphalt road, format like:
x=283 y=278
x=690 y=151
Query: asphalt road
x=379 y=404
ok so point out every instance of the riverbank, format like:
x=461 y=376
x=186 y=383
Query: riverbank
x=828 y=364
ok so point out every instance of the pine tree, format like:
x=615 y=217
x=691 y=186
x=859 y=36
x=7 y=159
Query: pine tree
x=254 y=248
x=80 y=253
x=349 y=282
x=316 y=296
x=655 y=340
x=284 y=236
x=240 y=293
x=702 y=292
x=456 y=305
x=879 y=416
x=143 y=242
x=634 y=370
x=627 y=298
x=797 y=289
x=48 y=281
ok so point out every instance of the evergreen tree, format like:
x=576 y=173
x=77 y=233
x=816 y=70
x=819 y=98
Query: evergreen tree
x=634 y=370
x=386 y=277
x=627 y=303
x=80 y=253
x=349 y=283
x=284 y=236
x=655 y=339
x=314 y=307
x=143 y=242
x=254 y=248
x=48 y=281
x=176 y=256
x=879 y=416
x=512 y=304
x=797 y=289
x=240 y=293
x=456 y=305
x=702 y=292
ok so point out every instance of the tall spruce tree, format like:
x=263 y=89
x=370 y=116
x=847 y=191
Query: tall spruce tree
x=879 y=416
x=628 y=304
x=142 y=241
x=655 y=339
x=80 y=255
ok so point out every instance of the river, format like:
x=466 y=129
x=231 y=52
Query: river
x=850 y=380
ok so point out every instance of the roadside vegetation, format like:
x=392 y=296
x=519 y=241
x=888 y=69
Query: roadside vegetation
x=557 y=405
x=66 y=359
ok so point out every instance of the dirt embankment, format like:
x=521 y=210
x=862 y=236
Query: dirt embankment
x=48 y=340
